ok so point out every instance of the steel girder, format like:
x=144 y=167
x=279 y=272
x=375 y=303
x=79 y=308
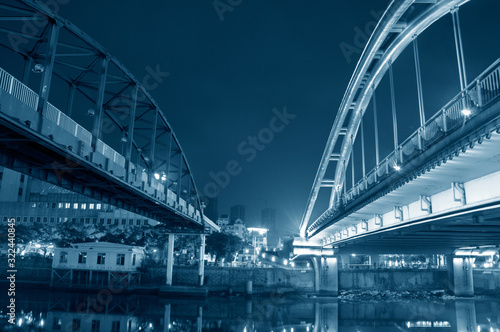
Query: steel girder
x=99 y=79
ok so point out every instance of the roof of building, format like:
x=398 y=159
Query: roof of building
x=104 y=245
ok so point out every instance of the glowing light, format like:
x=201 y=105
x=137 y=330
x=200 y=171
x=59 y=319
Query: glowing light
x=292 y=264
x=273 y=259
x=466 y=112
x=353 y=255
x=285 y=262
x=157 y=176
x=397 y=168
x=308 y=264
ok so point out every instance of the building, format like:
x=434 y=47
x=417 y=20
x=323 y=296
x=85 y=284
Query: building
x=36 y=201
x=258 y=238
x=238 y=228
x=268 y=219
x=223 y=221
x=211 y=207
x=93 y=264
x=237 y=212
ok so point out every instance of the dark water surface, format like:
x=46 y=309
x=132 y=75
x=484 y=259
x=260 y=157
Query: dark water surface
x=38 y=310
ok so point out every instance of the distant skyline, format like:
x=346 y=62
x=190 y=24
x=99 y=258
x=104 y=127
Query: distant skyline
x=252 y=90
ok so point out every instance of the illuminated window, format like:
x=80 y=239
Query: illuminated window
x=63 y=258
x=57 y=323
x=120 y=259
x=67 y=205
x=75 y=206
x=84 y=206
x=91 y=206
x=101 y=258
x=82 y=257
x=60 y=205
x=98 y=206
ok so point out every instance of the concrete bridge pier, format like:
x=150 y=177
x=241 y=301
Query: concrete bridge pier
x=166 y=318
x=466 y=315
x=460 y=277
x=170 y=259
x=326 y=317
x=326 y=273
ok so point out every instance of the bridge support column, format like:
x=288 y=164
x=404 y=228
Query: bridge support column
x=166 y=318
x=170 y=258
x=460 y=278
x=326 y=317
x=465 y=311
x=201 y=270
x=326 y=274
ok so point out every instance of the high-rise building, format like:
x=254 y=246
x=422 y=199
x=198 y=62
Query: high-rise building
x=211 y=208
x=237 y=212
x=268 y=219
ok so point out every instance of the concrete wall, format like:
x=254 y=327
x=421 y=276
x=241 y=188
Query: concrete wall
x=487 y=282
x=223 y=278
x=393 y=279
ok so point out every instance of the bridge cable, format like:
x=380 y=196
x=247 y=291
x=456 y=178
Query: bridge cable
x=363 y=148
x=419 y=83
x=393 y=103
x=375 y=124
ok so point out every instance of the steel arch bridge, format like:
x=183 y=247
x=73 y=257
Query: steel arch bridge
x=72 y=115
x=467 y=120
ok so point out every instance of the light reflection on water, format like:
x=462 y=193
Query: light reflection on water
x=45 y=311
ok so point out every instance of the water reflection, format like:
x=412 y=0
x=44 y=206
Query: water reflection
x=45 y=311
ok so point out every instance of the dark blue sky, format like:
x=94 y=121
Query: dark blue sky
x=227 y=76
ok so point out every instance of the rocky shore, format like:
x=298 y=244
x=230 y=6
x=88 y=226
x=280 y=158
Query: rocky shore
x=374 y=295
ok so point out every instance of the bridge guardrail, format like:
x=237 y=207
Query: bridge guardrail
x=483 y=90
x=27 y=96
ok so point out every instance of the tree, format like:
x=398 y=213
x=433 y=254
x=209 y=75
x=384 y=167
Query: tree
x=223 y=245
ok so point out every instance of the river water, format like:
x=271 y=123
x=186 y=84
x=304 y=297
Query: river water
x=38 y=310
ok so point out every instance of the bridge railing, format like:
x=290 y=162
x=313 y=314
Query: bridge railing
x=27 y=96
x=480 y=92
x=483 y=90
x=17 y=89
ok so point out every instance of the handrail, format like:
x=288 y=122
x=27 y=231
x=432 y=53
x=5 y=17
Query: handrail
x=20 y=91
x=443 y=122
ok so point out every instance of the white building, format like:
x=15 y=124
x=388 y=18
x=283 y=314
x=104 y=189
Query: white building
x=97 y=264
x=258 y=237
x=238 y=229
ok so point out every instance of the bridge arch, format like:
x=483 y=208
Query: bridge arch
x=117 y=129
x=400 y=25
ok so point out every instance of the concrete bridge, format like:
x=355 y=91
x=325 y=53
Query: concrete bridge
x=437 y=191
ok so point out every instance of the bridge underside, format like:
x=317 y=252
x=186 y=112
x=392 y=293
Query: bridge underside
x=450 y=202
x=474 y=228
x=35 y=155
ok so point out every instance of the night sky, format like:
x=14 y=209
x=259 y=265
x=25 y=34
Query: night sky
x=229 y=71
